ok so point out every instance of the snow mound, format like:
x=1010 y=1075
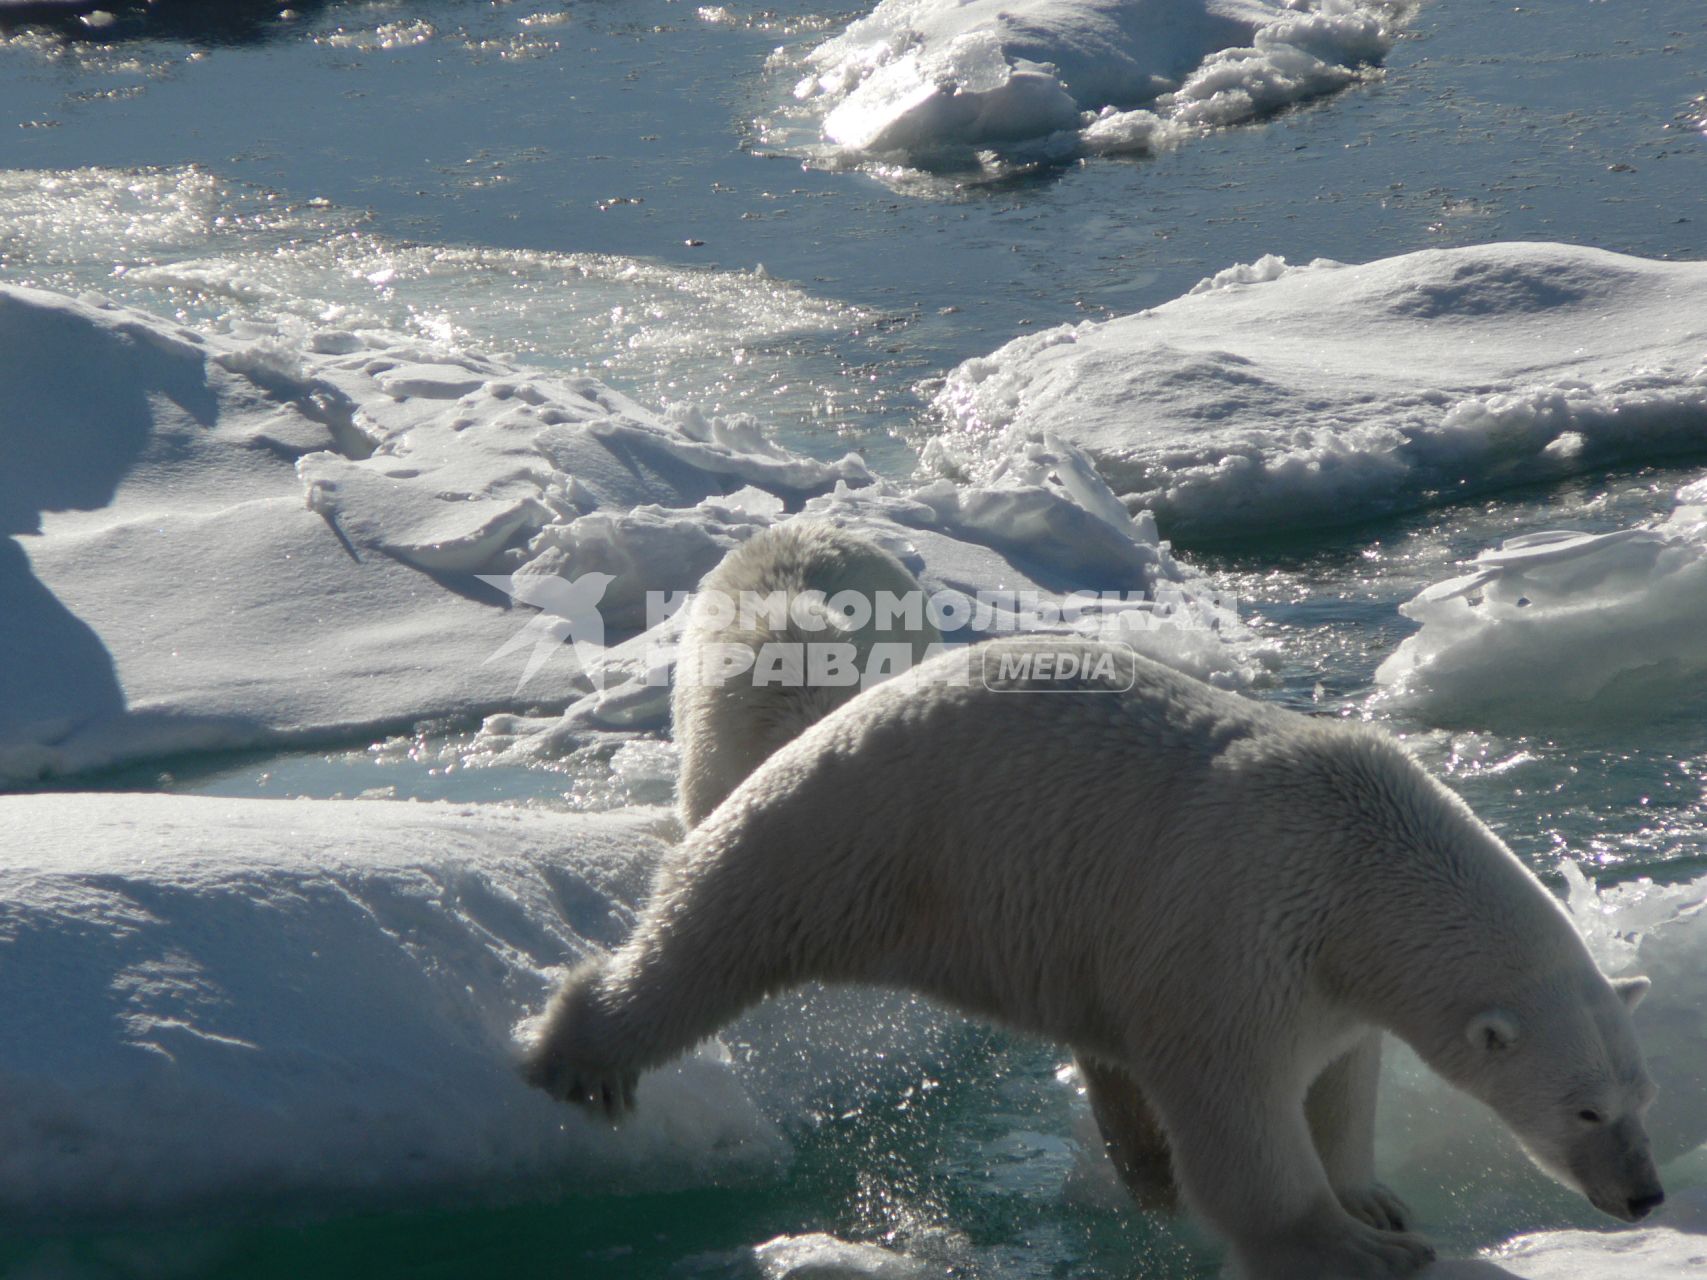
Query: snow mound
x=1559 y=624
x=932 y=81
x=210 y=998
x=224 y=540
x=1274 y=398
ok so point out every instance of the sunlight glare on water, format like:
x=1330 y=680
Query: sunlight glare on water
x=182 y=242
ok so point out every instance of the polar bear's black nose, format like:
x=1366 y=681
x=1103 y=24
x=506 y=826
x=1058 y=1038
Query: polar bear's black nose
x=1642 y=1206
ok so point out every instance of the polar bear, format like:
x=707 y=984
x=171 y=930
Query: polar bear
x=726 y=723
x=790 y=625
x=1221 y=901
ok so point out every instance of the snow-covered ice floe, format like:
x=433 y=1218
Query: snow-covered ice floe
x=223 y=540
x=934 y=81
x=1275 y=397
x=1651 y=1253
x=1668 y=1252
x=1555 y=624
x=224 y=998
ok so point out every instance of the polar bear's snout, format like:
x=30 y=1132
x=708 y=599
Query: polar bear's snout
x=1615 y=1169
x=1642 y=1206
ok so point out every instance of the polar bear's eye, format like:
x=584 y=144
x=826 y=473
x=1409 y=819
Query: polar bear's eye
x=1588 y=1115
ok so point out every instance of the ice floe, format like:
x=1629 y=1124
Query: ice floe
x=213 y=998
x=817 y=1256
x=1651 y=1253
x=929 y=82
x=224 y=540
x=233 y=539
x=1561 y=624
x=1276 y=397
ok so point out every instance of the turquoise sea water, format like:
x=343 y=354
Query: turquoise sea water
x=320 y=152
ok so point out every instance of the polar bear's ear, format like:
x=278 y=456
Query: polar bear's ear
x=1492 y=1030
x=1631 y=990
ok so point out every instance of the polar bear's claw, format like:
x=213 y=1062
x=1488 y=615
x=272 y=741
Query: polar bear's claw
x=607 y=1093
x=614 y=1097
x=577 y=1054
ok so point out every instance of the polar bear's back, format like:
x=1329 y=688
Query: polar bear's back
x=964 y=815
x=1122 y=824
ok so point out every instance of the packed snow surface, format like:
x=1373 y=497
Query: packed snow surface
x=221 y=540
x=1559 y=623
x=928 y=81
x=211 y=997
x=1275 y=397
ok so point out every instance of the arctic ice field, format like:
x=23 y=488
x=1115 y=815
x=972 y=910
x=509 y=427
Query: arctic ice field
x=370 y=373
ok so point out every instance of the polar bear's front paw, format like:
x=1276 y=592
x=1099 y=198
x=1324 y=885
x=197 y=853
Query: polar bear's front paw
x=1376 y=1205
x=1342 y=1250
x=572 y=1059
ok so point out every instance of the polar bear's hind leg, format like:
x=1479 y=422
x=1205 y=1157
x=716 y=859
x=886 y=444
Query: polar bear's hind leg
x=1131 y=1134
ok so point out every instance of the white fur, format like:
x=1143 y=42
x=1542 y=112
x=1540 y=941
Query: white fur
x=726 y=729
x=1219 y=900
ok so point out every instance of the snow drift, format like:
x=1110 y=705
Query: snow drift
x=932 y=81
x=1276 y=397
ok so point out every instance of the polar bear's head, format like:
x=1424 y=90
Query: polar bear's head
x=1560 y=1064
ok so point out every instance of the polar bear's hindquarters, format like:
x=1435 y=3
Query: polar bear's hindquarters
x=778 y=590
